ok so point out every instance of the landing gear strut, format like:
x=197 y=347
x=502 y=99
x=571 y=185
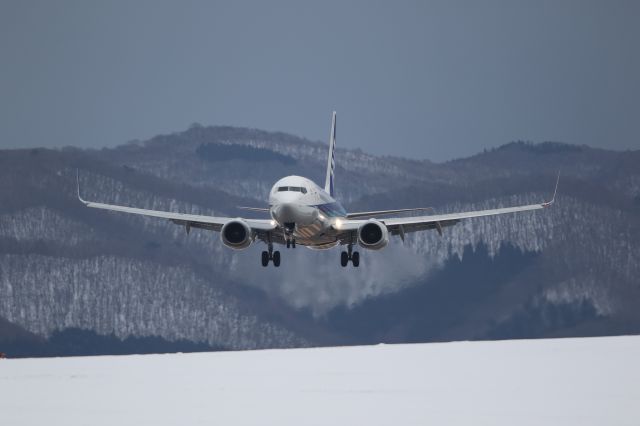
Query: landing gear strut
x=289 y=228
x=350 y=255
x=271 y=255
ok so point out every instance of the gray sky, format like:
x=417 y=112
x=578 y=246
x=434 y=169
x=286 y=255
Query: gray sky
x=425 y=79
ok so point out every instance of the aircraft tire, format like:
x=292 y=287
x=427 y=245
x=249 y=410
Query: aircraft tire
x=265 y=258
x=344 y=258
x=355 y=259
x=276 y=258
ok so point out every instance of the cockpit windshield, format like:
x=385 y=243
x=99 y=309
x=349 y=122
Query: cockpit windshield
x=292 y=188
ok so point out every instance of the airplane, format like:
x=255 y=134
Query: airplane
x=303 y=213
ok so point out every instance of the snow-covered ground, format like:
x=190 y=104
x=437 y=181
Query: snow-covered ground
x=591 y=381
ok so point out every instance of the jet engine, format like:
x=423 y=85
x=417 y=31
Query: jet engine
x=373 y=235
x=236 y=234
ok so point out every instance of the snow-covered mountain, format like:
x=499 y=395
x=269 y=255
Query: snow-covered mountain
x=570 y=270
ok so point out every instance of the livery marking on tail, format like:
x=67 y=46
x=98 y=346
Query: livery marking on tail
x=331 y=164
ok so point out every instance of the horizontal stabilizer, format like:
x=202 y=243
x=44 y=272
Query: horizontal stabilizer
x=253 y=209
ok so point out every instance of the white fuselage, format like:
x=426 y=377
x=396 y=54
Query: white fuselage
x=305 y=211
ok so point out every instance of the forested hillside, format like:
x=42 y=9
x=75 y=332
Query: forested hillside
x=66 y=270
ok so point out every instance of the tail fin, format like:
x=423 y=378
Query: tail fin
x=331 y=163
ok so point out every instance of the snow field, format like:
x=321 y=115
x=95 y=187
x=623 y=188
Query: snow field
x=589 y=381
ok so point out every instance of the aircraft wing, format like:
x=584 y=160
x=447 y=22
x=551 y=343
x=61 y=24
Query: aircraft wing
x=189 y=220
x=400 y=226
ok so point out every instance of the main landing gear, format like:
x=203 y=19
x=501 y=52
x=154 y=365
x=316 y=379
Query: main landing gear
x=348 y=255
x=271 y=255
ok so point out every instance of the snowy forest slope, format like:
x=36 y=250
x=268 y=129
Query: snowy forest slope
x=569 y=270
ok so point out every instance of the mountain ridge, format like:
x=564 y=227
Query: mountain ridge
x=586 y=246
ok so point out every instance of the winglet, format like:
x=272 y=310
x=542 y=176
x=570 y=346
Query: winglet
x=78 y=186
x=555 y=191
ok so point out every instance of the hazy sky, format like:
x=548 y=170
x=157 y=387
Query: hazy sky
x=426 y=79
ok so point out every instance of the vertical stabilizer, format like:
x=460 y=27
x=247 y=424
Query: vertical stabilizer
x=331 y=163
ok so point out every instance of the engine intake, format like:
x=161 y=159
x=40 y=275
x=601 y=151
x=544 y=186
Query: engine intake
x=236 y=234
x=373 y=235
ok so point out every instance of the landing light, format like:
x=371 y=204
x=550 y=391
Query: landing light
x=321 y=217
x=338 y=224
x=273 y=223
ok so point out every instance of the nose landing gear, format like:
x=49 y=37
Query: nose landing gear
x=289 y=227
x=348 y=255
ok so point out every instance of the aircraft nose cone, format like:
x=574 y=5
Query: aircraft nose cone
x=294 y=213
x=285 y=212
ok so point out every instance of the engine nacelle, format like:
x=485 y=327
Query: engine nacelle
x=373 y=235
x=236 y=234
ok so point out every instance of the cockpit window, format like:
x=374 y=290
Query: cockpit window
x=292 y=188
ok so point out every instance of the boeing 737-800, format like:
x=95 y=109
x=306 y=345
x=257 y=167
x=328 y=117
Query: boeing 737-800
x=303 y=213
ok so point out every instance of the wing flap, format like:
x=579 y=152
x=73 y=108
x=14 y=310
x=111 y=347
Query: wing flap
x=404 y=228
